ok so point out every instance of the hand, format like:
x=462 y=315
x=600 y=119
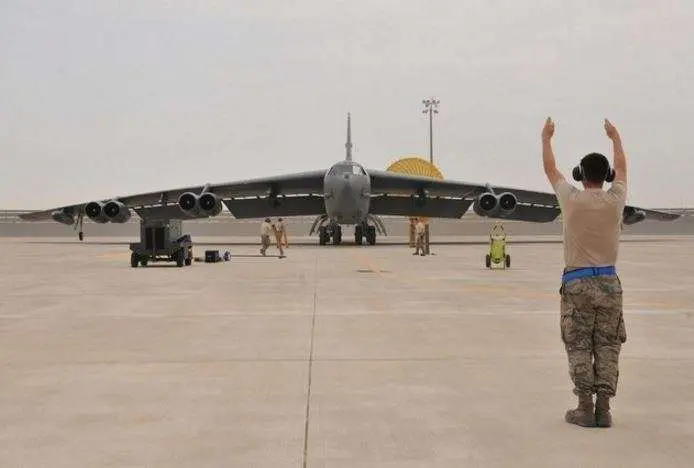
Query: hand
x=611 y=131
x=548 y=130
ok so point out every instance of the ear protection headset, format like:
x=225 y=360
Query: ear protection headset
x=579 y=174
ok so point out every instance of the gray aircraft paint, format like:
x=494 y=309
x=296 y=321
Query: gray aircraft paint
x=347 y=188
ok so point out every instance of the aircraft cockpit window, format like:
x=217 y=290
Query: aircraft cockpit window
x=355 y=169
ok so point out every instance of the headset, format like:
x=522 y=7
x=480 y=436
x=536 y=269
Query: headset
x=578 y=173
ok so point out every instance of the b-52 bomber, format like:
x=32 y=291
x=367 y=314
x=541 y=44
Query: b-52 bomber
x=344 y=194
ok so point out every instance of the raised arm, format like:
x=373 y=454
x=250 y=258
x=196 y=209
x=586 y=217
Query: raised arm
x=620 y=160
x=548 y=161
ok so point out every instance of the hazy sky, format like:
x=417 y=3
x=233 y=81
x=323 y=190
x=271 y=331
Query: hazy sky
x=105 y=98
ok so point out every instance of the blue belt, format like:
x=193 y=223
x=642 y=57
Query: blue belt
x=588 y=271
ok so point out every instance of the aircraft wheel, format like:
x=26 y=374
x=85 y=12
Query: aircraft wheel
x=321 y=235
x=488 y=261
x=179 y=258
x=508 y=261
x=337 y=235
x=371 y=235
x=134 y=260
x=143 y=261
x=358 y=234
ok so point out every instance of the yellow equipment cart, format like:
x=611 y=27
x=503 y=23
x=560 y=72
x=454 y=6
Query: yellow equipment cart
x=497 y=256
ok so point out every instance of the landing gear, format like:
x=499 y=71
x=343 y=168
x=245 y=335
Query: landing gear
x=337 y=234
x=332 y=231
x=362 y=231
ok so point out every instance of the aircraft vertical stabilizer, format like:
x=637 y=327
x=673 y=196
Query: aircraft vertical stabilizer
x=348 y=145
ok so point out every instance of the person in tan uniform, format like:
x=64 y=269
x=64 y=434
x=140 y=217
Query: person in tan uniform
x=419 y=232
x=592 y=321
x=265 y=230
x=279 y=230
x=281 y=233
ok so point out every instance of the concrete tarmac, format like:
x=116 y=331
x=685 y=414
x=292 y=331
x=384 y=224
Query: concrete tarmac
x=336 y=356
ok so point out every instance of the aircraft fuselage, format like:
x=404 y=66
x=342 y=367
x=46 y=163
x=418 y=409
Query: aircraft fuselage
x=347 y=193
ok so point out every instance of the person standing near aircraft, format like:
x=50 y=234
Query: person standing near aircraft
x=265 y=230
x=278 y=229
x=420 y=232
x=592 y=321
x=281 y=233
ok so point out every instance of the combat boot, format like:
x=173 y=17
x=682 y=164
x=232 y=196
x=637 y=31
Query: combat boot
x=583 y=415
x=603 y=418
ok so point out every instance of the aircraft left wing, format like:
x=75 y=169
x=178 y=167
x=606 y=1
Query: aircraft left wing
x=395 y=193
x=203 y=200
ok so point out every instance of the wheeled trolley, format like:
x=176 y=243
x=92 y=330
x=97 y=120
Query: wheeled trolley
x=162 y=241
x=497 y=256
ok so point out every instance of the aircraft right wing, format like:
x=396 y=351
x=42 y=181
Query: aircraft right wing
x=395 y=193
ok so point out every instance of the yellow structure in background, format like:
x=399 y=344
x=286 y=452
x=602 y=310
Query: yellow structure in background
x=415 y=165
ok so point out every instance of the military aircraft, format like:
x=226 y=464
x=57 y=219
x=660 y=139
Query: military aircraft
x=344 y=194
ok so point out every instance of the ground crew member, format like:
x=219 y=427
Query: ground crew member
x=282 y=233
x=265 y=230
x=592 y=322
x=278 y=229
x=419 y=232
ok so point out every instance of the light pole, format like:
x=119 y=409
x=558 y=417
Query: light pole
x=431 y=107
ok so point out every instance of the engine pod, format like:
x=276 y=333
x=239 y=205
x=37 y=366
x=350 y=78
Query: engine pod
x=116 y=211
x=63 y=217
x=486 y=204
x=95 y=212
x=189 y=204
x=507 y=202
x=210 y=204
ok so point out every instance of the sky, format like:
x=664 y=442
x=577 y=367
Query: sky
x=110 y=98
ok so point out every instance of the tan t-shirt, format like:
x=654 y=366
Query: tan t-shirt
x=592 y=221
x=265 y=229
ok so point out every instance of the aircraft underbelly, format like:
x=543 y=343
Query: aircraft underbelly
x=346 y=204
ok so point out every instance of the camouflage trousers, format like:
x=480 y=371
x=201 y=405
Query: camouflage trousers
x=593 y=330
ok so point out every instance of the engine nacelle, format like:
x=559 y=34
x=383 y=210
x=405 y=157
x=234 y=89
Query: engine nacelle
x=632 y=216
x=63 y=217
x=95 y=212
x=486 y=204
x=507 y=203
x=495 y=206
x=210 y=204
x=207 y=204
x=116 y=212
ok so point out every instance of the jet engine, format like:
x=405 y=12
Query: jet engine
x=507 y=202
x=632 y=216
x=210 y=204
x=95 y=212
x=63 y=217
x=116 y=212
x=494 y=206
x=207 y=204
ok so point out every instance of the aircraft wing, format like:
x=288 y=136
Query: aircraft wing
x=304 y=185
x=395 y=193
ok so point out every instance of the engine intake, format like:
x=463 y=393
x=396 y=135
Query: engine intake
x=116 y=211
x=495 y=206
x=507 y=202
x=95 y=212
x=210 y=204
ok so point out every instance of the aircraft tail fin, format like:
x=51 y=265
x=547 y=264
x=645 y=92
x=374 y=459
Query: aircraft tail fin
x=348 y=145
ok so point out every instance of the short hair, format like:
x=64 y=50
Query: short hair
x=596 y=167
